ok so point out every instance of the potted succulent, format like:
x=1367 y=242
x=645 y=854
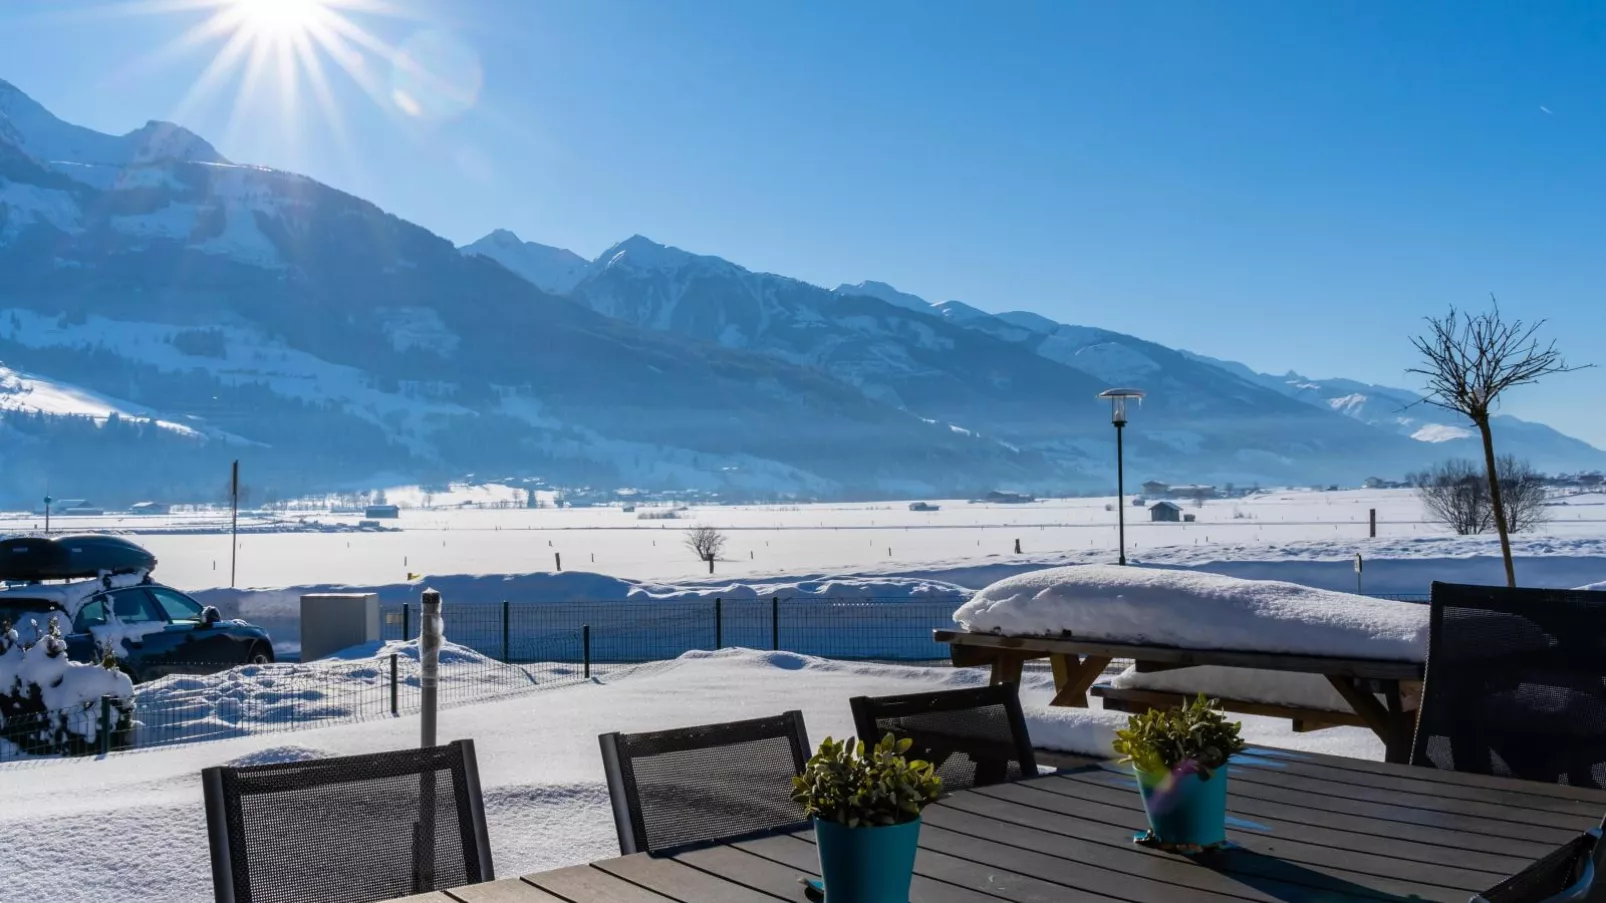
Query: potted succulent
x=866 y=805
x=1180 y=759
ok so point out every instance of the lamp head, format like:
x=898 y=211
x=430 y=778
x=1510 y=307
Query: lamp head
x=1118 y=399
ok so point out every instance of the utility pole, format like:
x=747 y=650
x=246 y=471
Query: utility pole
x=48 y=500
x=234 y=525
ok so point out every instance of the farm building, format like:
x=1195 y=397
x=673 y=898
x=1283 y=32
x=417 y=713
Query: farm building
x=1167 y=512
x=150 y=508
x=378 y=511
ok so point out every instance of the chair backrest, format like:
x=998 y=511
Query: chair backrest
x=348 y=829
x=1515 y=684
x=1570 y=874
x=696 y=784
x=975 y=736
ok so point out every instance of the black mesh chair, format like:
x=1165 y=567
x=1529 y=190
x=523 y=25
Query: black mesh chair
x=975 y=737
x=1515 y=684
x=348 y=829
x=1568 y=875
x=696 y=784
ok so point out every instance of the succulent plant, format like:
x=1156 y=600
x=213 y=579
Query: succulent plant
x=1196 y=738
x=851 y=783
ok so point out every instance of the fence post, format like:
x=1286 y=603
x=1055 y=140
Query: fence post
x=429 y=660
x=395 y=706
x=719 y=624
x=1373 y=519
x=505 y=656
x=407 y=617
x=105 y=725
x=585 y=647
x=775 y=623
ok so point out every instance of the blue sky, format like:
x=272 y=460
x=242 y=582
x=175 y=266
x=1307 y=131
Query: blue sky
x=1293 y=185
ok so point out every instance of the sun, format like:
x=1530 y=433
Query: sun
x=279 y=20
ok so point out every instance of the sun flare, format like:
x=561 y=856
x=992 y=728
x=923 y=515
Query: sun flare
x=280 y=20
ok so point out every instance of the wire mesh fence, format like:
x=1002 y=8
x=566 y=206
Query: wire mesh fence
x=497 y=650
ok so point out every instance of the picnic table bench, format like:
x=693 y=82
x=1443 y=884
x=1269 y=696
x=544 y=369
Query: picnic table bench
x=1077 y=663
x=1304 y=827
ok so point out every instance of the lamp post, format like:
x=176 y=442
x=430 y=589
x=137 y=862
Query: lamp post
x=1118 y=399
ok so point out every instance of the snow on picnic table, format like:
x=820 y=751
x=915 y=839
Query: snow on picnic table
x=1194 y=610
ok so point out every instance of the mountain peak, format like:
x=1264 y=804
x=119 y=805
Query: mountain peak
x=27 y=124
x=555 y=270
x=881 y=290
x=642 y=253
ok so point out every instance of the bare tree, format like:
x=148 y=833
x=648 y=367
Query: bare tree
x=1469 y=360
x=1456 y=495
x=707 y=542
x=1523 y=490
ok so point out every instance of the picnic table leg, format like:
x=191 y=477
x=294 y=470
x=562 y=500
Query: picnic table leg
x=1071 y=680
x=1390 y=724
x=1007 y=667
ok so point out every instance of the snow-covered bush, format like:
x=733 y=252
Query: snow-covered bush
x=49 y=704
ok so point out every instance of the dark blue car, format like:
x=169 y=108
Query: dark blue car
x=166 y=631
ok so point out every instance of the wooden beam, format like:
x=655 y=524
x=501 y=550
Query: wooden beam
x=1379 y=669
x=1072 y=677
x=1305 y=719
x=1006 y=668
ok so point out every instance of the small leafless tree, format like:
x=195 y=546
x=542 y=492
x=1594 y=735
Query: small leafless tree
x=1523 y=490
x=1468 y=361
x=707 y=542
x=1455 y=495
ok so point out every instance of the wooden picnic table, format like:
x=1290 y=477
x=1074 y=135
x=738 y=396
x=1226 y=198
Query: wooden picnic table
x=1077 y=663
x=1304 y=827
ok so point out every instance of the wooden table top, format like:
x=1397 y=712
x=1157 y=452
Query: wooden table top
x=1305 y=827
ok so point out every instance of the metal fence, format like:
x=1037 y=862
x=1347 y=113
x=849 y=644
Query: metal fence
x=630 y=632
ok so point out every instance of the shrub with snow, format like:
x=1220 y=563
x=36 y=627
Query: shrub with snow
x=49 y=704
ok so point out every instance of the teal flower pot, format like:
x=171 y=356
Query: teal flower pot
x=1185 y=811
x=867 y=865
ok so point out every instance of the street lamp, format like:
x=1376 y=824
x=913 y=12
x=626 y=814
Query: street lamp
x=1118 y=399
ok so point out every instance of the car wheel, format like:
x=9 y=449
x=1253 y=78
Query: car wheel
x=260 y=655
x=132 y=674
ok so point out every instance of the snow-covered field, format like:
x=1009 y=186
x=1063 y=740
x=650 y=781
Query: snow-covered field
x=131 y=827
x=1270 y=530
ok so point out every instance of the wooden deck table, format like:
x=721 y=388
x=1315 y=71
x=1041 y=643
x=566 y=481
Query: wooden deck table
x=1077 y=663
x=1305 y=827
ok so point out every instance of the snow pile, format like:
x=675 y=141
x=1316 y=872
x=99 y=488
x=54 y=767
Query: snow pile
x=1595 y=587
x=1197 y=610
x=1311 y=691
x=352 y=685
x=48 y=703
x=546 y=797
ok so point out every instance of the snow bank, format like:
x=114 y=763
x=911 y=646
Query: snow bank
x=1197 y=610
x=1595 y=587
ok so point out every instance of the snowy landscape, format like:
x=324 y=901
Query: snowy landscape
x=656 y=487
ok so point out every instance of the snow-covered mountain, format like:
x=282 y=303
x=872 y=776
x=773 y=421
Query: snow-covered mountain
x=553 y=270
x=1020 y=379
x=336 y=341
x=1404 y=412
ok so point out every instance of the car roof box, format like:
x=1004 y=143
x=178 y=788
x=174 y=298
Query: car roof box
x=30 y=558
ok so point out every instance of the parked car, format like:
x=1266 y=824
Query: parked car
x=159 y=630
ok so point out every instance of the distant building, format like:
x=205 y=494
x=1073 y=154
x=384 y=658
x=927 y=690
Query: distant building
x=1156 y=488
x=150 y=508
x=1008 y=498
x=1167 y=512
x=378 y=511
x=1380 y=483
x=922 y=506
x=62 y=506
x=1196 y=491
x=1188 y=518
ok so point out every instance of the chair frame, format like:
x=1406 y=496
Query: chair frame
x=866 y=709
x=623 y=793
x=1497 y=599
x=1583 y=888
x=222 y=810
